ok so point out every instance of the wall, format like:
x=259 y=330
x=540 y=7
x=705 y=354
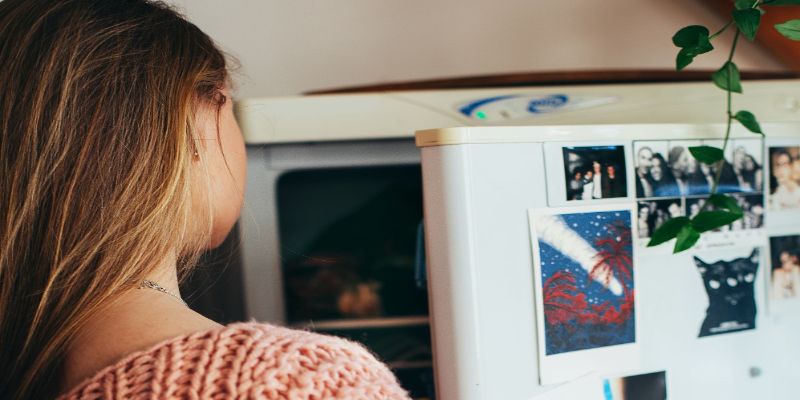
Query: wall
x=290 y=46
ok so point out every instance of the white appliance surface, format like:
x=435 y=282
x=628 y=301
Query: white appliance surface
x=394 y=115
x=480 y=180
x=479 y=183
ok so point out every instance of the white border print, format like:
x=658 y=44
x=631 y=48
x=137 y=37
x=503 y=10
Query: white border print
x=782 y=271
x=784 y=178
x=562 y=157
x=670 y=183
x=666 y=169
x=584 y=277
x=595 y=172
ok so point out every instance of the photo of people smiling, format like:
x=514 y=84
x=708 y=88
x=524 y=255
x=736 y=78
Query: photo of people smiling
x=595 y=172
x=670 y=182
x=784 y=180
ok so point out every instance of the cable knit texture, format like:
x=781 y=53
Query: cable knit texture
x=245 y=361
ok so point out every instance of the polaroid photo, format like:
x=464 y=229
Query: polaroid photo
x=595 y=172
x=584 y=285
x=784 y=179
x=652 y=386
x=651 y=214
x=730 y=282
x=784 y=282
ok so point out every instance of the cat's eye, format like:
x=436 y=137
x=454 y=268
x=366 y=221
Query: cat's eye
x=713 y=284
x=749 y=278
x=732 y=282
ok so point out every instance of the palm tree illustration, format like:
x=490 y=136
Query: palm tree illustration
x=563 y=301
x=613 y=257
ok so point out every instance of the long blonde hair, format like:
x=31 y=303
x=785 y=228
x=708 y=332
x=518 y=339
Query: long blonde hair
x=96 y=150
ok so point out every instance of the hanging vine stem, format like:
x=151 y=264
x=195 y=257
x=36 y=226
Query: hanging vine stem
x=719 y=209
x=721 y=163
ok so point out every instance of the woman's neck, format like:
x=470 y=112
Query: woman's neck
x=137 y=320
x=166 y=276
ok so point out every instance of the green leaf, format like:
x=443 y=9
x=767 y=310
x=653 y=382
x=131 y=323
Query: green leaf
x=790 y=29
x=782 y=3
x=693 y=40
x=726 y=203
x=706 y=154
x=728 y=74
x=747 y=21
x=745 y=4
x=710 y=220
x=690 y=36
x=749 y=121
x=683 y=59
x=686 y=238
x=667 y=231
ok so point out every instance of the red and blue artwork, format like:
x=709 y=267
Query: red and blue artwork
x=586 y=264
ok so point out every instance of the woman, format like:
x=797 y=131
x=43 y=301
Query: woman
x=747 y=171
x=121 y=162
x=784 y=187
x=576 y=187
x=786 y=278
x=645 y=221
x=643 y=161
x=661 y=178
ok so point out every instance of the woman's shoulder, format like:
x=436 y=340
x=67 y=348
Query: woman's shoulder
x=251 y=359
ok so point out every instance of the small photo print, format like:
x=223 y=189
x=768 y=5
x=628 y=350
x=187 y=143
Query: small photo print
x=785 y=273
x=586 y=270
x=784 y=180
x=653 y=213
x=584 y=287
x=729 y=284
x=752 y=206
x=652 y=386
x=595 y=172
x=747 y=165
x=668 y=169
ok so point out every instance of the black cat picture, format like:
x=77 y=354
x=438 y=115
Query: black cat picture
x=731 y=301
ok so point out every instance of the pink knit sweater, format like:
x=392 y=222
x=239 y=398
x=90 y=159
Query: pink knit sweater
x=245 y=361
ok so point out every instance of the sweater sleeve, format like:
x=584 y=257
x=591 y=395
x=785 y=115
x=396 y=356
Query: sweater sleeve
x=302 y=365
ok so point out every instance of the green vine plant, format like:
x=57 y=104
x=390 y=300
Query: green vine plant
x=719 y=209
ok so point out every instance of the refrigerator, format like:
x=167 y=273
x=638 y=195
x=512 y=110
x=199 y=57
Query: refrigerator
x=331 y=231
x=542 y=284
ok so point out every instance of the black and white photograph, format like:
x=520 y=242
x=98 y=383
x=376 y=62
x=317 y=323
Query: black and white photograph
x=653 y=213
x=751 y=204
x=784 y=180
x=753 y=207
x=747 y=163
x=668 y=169
x=595 y=172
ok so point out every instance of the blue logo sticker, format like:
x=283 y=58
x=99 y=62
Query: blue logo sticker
x=548 y=104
